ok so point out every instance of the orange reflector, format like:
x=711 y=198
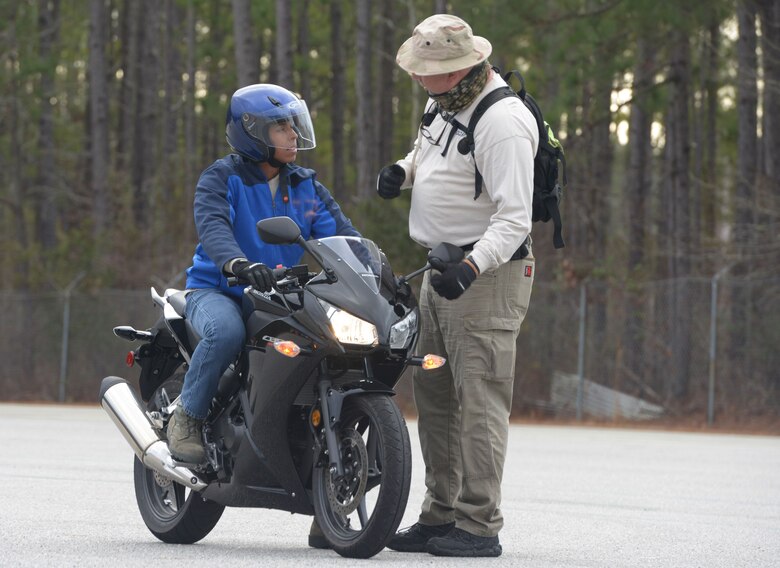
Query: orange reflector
x=287 y=348
x=316 y=417
x=431 y=362
x=130 y=359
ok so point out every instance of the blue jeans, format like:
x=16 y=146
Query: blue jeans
x=217 y=319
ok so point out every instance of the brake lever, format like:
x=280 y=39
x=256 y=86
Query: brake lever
x=280 y=275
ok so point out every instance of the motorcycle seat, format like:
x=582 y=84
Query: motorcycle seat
x=178 y=301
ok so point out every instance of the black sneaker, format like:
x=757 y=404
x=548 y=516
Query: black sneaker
x=461 y=543
x=414 y=538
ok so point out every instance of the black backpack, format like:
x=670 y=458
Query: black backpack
x=547 y=190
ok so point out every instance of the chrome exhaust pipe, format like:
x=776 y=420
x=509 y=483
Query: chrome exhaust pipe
x=119 y=400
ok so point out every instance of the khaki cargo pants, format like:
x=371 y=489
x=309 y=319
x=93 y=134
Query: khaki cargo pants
x=464 y=406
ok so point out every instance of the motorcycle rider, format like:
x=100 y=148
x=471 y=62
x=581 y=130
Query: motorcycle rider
x=266 y=126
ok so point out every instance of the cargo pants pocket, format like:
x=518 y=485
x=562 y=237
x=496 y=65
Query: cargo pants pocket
x=490 y=348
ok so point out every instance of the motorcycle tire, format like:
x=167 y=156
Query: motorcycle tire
x=377 y=458
x=172 y=512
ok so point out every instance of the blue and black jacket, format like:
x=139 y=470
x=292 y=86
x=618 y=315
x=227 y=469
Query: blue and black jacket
x=233 y=195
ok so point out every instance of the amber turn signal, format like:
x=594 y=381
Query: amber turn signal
x=316 y=417
x=287 y=348
x=431 y=362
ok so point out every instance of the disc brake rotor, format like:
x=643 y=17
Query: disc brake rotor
x=161 y=480
x=345 y=493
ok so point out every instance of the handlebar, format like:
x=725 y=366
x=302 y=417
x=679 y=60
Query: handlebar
x=279 y=274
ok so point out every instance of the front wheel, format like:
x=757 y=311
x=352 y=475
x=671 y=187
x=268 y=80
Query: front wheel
x=360 y=511
x=172 y=512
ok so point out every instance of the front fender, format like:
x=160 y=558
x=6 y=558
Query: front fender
x=336 y=397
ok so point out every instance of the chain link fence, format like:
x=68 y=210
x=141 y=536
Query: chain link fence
x=706 y=348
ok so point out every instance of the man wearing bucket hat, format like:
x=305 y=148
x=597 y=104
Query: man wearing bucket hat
x=473 y=310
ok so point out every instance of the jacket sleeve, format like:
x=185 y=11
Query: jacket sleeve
x=329 y=220
x=214 y=216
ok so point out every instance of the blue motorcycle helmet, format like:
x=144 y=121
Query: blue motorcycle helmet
x=254 y=109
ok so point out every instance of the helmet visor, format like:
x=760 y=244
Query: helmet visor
x=285 y=126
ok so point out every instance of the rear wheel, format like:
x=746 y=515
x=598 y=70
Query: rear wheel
x=172 y=512
x=360 y=511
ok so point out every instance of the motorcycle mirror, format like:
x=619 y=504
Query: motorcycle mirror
x=285 y=231
x=443 y=255
x=279 y=231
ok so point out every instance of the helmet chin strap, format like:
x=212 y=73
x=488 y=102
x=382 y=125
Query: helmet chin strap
x=272 y=161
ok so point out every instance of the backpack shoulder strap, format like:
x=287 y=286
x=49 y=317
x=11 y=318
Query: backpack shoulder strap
x=515 y=73
x=466 y=145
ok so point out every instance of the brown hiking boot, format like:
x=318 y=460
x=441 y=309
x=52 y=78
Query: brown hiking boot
x=184 y=437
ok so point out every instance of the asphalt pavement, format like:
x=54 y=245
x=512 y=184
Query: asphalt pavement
x=591 y=497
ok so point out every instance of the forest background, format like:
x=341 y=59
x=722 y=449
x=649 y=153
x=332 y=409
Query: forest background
x=669 y=113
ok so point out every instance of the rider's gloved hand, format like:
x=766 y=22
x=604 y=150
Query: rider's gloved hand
x=388 y=183
x=256 y=273
x=451 y=283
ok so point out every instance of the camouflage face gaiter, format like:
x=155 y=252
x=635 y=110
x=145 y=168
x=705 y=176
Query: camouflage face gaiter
x=464 y=93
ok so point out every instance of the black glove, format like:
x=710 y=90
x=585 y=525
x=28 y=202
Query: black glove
x=451 y=283
x=256 y=273
x=388 y=184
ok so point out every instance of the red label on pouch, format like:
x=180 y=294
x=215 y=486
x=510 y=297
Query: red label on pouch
x=528 y=271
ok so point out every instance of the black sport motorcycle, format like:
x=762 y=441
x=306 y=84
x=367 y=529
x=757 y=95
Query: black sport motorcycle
x=304 y=420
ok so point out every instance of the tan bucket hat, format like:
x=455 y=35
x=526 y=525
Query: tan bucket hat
x=442 y=43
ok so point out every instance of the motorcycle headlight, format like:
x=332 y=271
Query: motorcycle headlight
x=348 y=328
x=403 y=330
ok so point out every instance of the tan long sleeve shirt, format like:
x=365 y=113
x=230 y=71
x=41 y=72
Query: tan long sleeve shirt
x=443 y=205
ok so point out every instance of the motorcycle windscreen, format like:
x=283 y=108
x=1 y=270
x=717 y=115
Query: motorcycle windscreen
x=361 y=255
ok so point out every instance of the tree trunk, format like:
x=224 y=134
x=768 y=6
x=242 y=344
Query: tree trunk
x=304 y=47
x=709 y=199
x=247 y=55
x=144 y=143
x=213 y=134
x=386 y=84
x=47 y=189
x=284 y=44
x=600 y=149
x=172 y=73
x=304 y=72
x=747 y=161
x=98 y=123
x=770 y=47
x=598 y=153
x=638 y=187
x=680 y=229
x=128 y=96
x=747 y=142
x=364 y=125
x=337 y=101
x=16 y=182
x=190 y=159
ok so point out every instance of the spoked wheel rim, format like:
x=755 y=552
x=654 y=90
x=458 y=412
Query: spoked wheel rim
x=171 y=511
x=166 y=498
x=359 y=512
x=351 y=502
x=346 y=492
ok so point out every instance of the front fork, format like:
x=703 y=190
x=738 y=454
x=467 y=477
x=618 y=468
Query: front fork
x=330 y=402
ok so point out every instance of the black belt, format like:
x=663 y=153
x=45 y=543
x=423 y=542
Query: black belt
x=519 y=254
